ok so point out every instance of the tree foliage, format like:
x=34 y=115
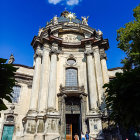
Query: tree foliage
x=7 y=81
x=129 y=41
x=123 y=92
x=123 y=98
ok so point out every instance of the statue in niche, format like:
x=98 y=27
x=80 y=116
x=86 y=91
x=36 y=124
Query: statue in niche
x=85 y=20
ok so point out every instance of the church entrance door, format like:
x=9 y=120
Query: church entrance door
x=73 y=126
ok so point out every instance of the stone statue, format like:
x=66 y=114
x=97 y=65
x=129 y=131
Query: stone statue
x=85 y=20
x=99 y=32
x=55 y=20
x=40 y=31
x=11 y=60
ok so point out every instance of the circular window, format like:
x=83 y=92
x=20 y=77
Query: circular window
x=71 y=61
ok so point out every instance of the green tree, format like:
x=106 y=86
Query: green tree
x=129 y=41
x=7 y=81
x=123 y=92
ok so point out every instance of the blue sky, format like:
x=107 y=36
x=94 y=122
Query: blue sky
x=21 y=19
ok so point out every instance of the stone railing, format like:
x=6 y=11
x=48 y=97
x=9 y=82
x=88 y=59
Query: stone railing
x=72 y=89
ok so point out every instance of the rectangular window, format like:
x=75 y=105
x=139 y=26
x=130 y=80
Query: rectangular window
x=16 y=94
x=71 y=77
x=8 y=131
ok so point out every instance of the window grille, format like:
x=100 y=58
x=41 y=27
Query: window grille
x=71 y=77
x=16 y=94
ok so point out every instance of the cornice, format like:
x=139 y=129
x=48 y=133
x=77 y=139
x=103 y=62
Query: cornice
x=24 y=78
x=23 y=66
x=53 y=39
x=36 y=41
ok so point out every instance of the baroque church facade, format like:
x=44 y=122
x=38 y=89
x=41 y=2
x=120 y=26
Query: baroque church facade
x=62 y=94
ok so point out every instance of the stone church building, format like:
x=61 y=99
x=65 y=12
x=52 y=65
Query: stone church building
x=62 y=94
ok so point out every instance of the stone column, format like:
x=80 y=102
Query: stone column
x=52 y=80
x=104 y=66
x=30 y=120
x=91 y=80
x=53 y=117
x=36 y=81
x=99 y=76
x=43 y=94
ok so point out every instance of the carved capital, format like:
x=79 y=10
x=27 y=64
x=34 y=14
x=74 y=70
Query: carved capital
x=88 y=52
x=102 y=54
x=55 y=51
x=96 y=49
x=38 y=52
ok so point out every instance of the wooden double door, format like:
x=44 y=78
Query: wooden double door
x=73 y=126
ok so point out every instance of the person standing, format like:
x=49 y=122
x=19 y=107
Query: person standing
x=87 y=136
x=82 y=136
x=76 y=137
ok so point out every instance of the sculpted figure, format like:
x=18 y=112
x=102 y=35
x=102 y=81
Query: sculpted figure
x=85 y=20
x=55 y=20
x=11 y=60
x=99 y=32
x=40 y=31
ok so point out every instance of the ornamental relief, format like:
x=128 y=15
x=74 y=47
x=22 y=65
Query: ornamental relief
x=71 y=38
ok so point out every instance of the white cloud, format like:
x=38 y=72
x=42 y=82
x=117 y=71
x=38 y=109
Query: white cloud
x=67 y=2
x=72 y=2
x=54 y=1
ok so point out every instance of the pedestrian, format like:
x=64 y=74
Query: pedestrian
x=87 y=136
x=76 y=137
x=82 y=136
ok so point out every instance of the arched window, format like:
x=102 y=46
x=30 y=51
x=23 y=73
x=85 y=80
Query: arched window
x=16 y=94
x=71 y=77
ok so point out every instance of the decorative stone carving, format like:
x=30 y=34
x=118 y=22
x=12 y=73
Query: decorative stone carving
x=88 y=52
x=31 y=126
x=38 y=52
x=99 y=32
x=71 y=56
x=41 y=126
x=70 y=16
x=102 y=54
x=85 y=20
x=52 y=125
x=55 y=51
x=11 y=60
x=95 y=127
